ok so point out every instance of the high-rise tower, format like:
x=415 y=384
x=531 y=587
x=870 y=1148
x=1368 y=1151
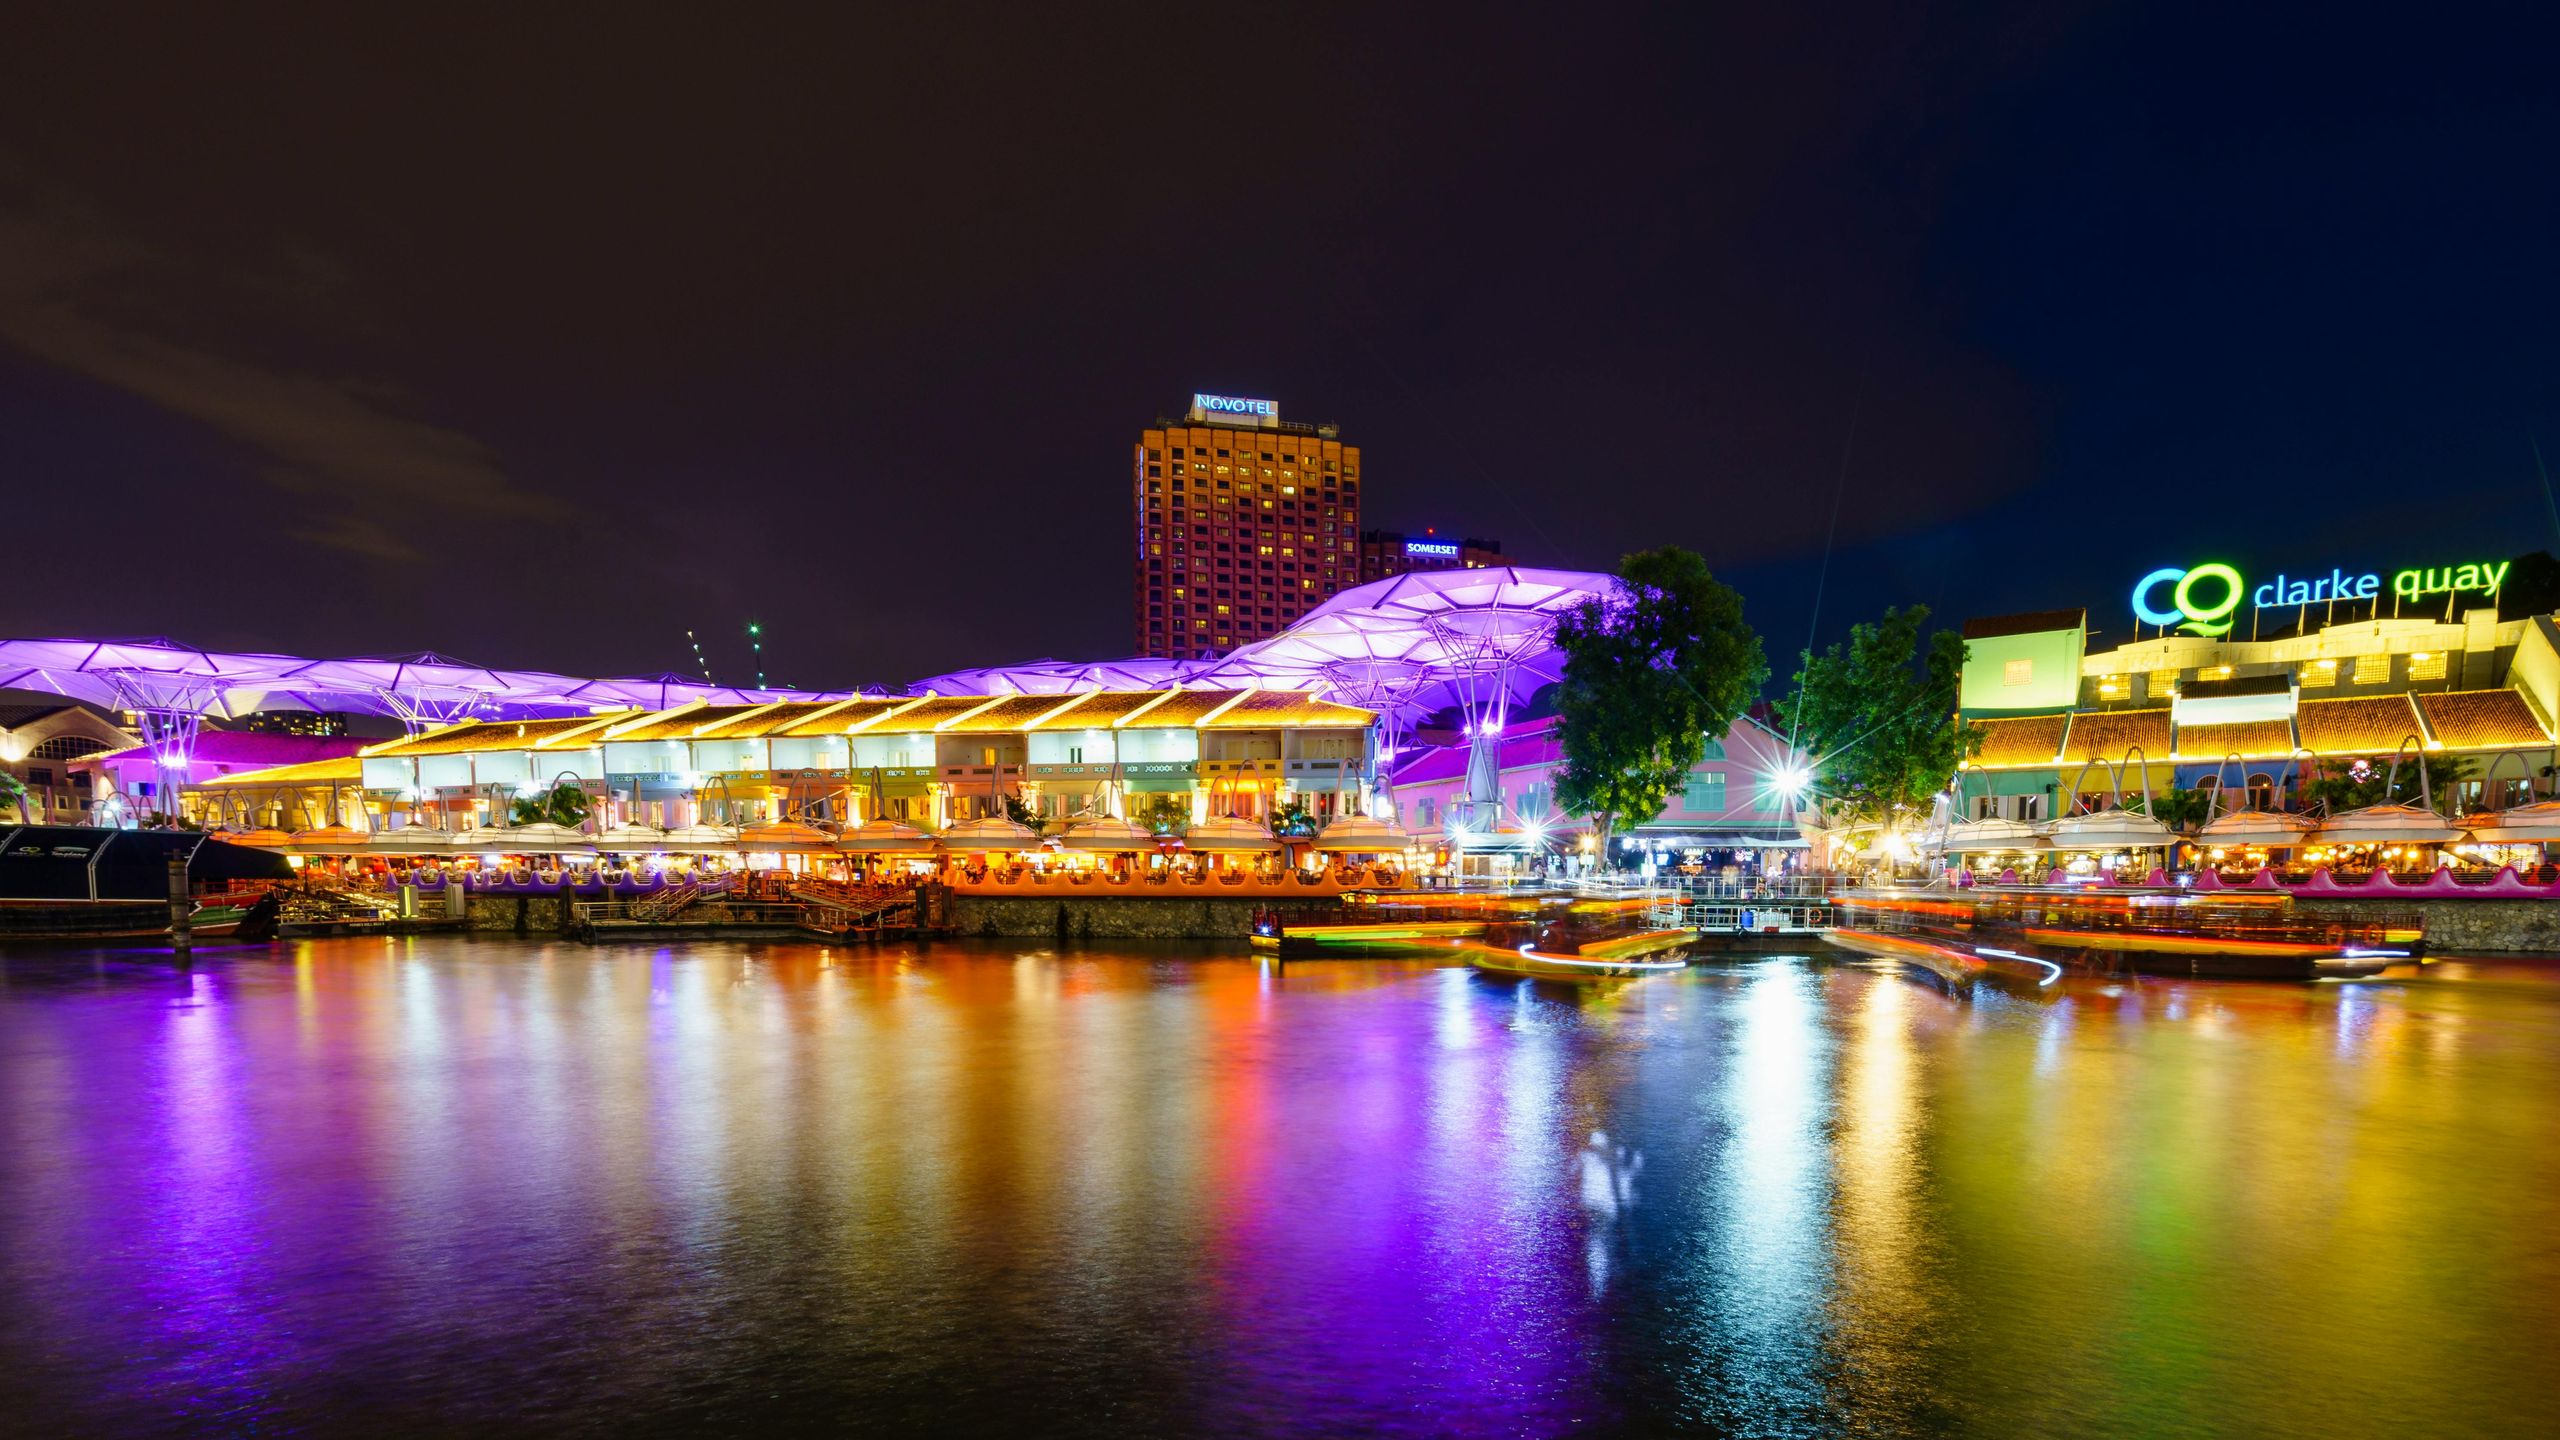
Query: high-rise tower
x=1244 y=522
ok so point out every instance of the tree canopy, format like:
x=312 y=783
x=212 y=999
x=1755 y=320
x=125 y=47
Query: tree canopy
x=1649 y=676
x=1878 y=716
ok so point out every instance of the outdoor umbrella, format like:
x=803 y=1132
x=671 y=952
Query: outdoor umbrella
x=881 y=836
x=2271 y=828
x=1108 y=835
x=785 y=837
x=1992 y=835
x=1228 y=835
x=2389 y=823
x=2108 y=830
x=1359 y=834
x=992 y=833
x=2517 y=824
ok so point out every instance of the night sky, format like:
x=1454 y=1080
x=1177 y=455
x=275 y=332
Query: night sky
x=537 y=346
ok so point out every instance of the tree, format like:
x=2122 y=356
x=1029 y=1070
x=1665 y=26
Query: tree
x=1163 y=814
x=1293 y=821
x=2359 y=783
x=1650 y=675
x=1879 y=717
x=564 y=805
x=1023 y=815
x=13 y=791
x=2177 y=807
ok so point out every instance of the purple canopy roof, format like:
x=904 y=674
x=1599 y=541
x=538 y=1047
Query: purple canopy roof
x=1407 y=646
x=161 y=674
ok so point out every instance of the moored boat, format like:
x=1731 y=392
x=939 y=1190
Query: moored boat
x=1577 y=969
x=2036 y=932
x=95 y=884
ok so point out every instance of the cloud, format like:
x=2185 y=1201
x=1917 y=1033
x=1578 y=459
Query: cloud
x=358 y=465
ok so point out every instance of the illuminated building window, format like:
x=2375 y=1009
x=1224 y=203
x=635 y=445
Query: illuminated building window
x=2318 y=675
x=2373 y=670
x=1203 y=625
x=1222 y=609
x=2112 y=687
x=2214 y=672
x=2426 y=664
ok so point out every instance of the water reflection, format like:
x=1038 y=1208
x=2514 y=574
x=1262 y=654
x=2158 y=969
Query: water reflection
x=423 y=1185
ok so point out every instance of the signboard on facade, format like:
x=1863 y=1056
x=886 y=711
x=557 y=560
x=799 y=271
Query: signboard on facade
x=2201 y=599
x=1234 y=409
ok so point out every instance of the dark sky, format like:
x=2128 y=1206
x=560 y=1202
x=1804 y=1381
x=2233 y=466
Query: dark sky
x=538 y=344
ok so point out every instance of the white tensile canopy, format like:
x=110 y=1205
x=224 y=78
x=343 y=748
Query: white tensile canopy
x=992 y=833
x=1992 y=835
x=2389 y=823
x=2516 y=825
x=1108 y=835
x=885 y=837
x=1227 y=835
x=2273 y=829
x=1361 y=835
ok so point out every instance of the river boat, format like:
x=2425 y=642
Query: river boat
x=1383 y=923
x=102 y=885
x=2034 y=933
x=1580 y=968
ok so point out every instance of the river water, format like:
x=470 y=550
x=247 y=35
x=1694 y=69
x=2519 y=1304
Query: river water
x=440 y=1185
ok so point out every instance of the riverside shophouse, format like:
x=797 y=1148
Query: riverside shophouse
x=929 y=760
x=1734 y=805
x=2224 y=679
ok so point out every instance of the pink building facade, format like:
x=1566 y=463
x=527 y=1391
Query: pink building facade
x=1733 y=798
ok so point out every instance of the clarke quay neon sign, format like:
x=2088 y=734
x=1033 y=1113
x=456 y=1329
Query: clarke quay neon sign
x=2202 y=598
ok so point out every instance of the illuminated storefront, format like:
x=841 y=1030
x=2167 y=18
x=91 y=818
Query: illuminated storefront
x=2266 y=682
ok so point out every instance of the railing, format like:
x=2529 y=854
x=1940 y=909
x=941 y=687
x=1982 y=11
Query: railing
x=664 y=903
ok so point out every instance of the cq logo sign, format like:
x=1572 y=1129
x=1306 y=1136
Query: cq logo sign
x=2202 y=598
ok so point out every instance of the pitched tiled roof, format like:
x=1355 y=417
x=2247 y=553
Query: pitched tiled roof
x=1289 y=707
x=345 y=770
x=2020 y=740
x=488 y=735
x=927 y=715
x=1183 y=709
x=2109 y=734
x=2481 y=719
x=13 y=716
x=2362 y=725
x=1102 y=707
x=1011 y=714
x=2251 y=738
x=682 y=723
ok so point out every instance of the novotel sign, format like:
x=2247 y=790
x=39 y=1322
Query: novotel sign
x=2201 y=599
x=1235 y=405
x=1437 y=549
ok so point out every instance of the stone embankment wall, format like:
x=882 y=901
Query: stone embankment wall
x=520 y=914
x=2528 y=926
x=1118 y=918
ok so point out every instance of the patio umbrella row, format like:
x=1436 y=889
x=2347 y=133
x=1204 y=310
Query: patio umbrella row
x=2390 y=823
x=992 y=834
